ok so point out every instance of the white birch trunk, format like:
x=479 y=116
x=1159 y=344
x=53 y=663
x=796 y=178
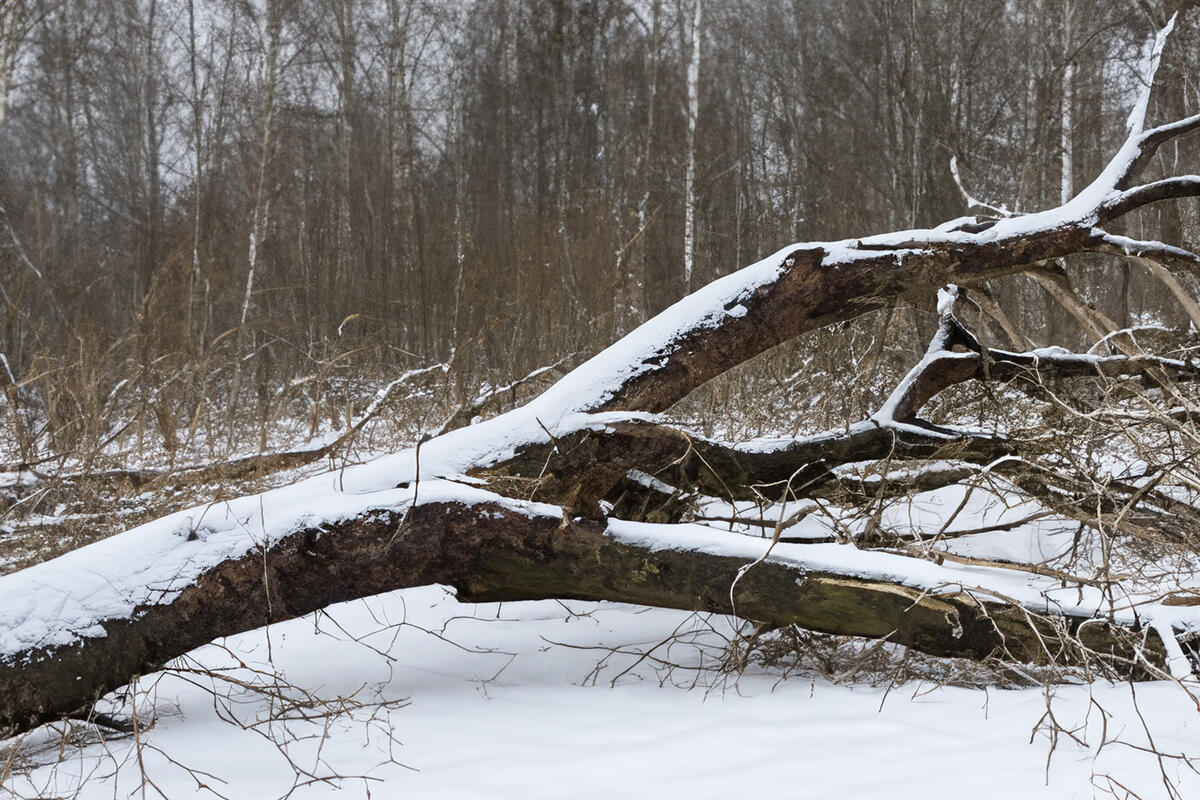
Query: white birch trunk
x=689 y=181
x=262 y=208
x=1068 y=101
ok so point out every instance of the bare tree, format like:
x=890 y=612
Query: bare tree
x=261 y=205
x=15 y=20
x=693 y=111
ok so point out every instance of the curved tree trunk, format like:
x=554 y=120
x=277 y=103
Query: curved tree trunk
x=490 y=551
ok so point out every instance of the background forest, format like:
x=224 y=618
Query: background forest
x=224 y=224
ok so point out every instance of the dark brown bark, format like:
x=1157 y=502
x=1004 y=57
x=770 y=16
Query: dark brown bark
x=581 y=468
x=811 y=294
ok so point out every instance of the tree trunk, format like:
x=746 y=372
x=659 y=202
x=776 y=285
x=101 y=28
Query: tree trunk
x=689 y=180
x=261 y=211
x=492 y=552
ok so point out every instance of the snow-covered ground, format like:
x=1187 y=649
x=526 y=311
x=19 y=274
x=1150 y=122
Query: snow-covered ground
x=518 y=701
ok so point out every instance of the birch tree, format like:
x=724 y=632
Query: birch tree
x=272 y=32
x=693 y=112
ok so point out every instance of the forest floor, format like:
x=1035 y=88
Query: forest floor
x=556 y=700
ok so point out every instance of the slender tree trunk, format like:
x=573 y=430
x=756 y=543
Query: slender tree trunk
x=1067 y=142
x=260 y=214
x=13 y=17
x=399 y=228
x=153 y=148
x=648 y=152
x=197 y=167
x=689 y=181
x=345 y=246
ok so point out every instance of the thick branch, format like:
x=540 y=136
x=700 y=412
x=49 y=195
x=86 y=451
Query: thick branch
x=809 y=287
x=579 y=468
x=1174 y=188
x=1148 y=143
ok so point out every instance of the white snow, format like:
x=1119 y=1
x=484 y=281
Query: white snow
x=515 y=701
x=21 y=478
x=1137 y=115
x=55 y=602
x=946 y=297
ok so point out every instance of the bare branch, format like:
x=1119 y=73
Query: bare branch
x=1148 y=143
x=1173 y=188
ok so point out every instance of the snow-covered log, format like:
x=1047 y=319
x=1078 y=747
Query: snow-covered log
x=489 y=547
x=516 y=507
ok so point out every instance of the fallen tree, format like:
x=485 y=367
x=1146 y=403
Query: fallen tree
x=584 y=492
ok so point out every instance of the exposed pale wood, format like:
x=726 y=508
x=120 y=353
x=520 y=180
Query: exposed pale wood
x=1094 y=322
